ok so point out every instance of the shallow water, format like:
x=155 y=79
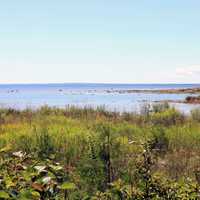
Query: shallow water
x=21 y=96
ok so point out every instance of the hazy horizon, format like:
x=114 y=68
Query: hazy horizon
x=102 y=83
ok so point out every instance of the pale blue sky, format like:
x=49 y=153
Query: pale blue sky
x=125 y=41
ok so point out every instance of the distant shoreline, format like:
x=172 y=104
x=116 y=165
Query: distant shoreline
x=188 y=100
x=159 y=91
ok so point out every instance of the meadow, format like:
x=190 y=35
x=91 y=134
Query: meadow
x=93 y=154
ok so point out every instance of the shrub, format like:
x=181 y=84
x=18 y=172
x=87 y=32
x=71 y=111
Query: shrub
x=25 y=143
x=169 y=117
x=160 y=107
x=159 y=141
x=44 y=143
x=195 y=114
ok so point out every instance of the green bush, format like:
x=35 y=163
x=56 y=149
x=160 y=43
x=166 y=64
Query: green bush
x=44 y=143
x=168 y=117
x=93 y=154
x=160 y=107
x=195 y=114
x=159 y=141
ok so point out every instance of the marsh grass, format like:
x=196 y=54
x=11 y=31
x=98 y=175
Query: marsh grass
x=98 y=147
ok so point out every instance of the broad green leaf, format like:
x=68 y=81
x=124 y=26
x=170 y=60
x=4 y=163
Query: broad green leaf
x=36 y=194
x=68 y=186
x=9 y=183
x=46 y=180
x=40 y=168
x=29 y=194
x=4 y=195
x=5 y=149
x=56 y=167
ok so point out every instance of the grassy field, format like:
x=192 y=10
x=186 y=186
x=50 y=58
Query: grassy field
x=94 y=154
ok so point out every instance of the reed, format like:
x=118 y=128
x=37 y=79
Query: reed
x=126 y=155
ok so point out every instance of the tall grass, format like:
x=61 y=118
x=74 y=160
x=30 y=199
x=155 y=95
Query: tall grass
x=97 y=147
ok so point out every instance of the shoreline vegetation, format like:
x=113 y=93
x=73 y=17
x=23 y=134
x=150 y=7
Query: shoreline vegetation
x=195 y=90
x=93 y=154
x=188 y=100
x=159 y=91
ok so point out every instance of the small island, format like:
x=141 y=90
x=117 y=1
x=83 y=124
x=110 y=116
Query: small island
x=192 y=99
x=187 y=100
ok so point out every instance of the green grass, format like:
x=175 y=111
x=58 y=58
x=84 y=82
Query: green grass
x=99 y=153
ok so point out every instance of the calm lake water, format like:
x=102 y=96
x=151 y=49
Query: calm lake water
x=21 y=96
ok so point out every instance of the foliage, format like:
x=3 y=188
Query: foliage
x=75 y=153
x=195 y=114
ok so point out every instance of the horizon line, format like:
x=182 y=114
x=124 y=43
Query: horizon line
x=99 y=83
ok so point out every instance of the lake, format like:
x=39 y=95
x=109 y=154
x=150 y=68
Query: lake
x=21 y=96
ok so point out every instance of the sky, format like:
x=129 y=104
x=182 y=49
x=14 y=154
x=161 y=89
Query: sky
x=107 y=41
